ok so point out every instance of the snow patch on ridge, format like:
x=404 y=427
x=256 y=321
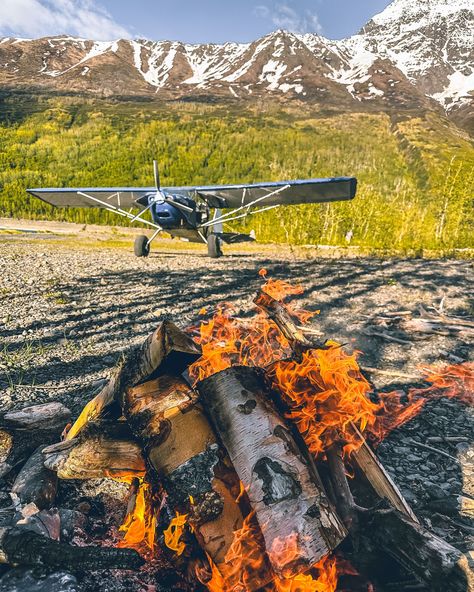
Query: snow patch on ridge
x=355 y=66
x=99 y=48
x=457 y=91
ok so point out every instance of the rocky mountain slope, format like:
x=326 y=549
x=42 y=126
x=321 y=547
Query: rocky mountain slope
x=414 y=55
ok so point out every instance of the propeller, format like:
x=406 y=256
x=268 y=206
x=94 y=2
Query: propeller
x=164 y=197
x=157 y=175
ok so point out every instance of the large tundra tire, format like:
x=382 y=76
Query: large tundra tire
x=214 y=246
x=141 y=246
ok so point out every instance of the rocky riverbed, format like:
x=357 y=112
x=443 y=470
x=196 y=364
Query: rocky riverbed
x=67 y=310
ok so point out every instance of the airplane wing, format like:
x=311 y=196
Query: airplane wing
x=279 y=193
x=92 y=197
x=217 y=196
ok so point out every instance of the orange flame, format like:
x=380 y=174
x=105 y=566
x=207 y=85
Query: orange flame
x=451 y=381
x=247 y=569
x=226 y=340
x=140 y=524
x=326 y=394
x=174 y=532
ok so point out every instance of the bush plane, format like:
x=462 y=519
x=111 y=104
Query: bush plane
x=195 y=213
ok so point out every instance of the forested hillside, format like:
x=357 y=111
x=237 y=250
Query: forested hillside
x=415 y=174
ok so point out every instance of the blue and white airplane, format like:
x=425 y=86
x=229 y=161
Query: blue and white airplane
x=195 y=213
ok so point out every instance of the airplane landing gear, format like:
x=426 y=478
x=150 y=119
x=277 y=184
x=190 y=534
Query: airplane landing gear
x=141 y=246
x=214 y=246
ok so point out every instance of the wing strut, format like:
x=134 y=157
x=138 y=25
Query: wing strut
x=121 y=212
x=231 y=215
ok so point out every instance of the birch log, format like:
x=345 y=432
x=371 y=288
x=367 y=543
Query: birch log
x=181 y=447
x=290 y=505
x=167 y=350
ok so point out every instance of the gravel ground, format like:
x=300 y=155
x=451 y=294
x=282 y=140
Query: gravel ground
x=68 y=309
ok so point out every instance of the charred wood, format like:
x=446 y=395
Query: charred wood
x=363 y=458
x=433 y=561
x=20 y=546
x=21 y=432
x=35 y=483
x=103 y=449
x=184 y=456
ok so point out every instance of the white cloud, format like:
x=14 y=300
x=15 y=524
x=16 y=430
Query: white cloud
x=284 y=16
x=38 y=18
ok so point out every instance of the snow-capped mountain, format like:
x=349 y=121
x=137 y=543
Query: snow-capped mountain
x=415 y=54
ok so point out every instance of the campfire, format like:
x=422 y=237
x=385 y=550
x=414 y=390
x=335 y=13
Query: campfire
x=244 y=445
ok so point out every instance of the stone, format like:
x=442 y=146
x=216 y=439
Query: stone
x=24 y=580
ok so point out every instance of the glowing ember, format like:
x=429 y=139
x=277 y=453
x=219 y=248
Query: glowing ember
x=174 y=532
x=140 y=524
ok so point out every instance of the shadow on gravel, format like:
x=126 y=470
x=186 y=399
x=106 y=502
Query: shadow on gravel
x=117 y=306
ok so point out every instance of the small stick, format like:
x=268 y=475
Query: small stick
x=432 y=449
x=344 y=499
x=390 y=373
x=388 y=337
x=441 y=439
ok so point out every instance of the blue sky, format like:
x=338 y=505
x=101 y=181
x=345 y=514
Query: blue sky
x=192 y=21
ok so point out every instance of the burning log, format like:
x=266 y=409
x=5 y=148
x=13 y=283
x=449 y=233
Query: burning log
x=279 y=314
x=21 y=546
x=362 y=457
x=102 y=449
x=181 y=447
x=167 y=343
x=21 y=432
x=35 y=483
x=287 y=496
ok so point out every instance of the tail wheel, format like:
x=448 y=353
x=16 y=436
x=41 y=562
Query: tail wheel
x=141 y=246
x=214 y=246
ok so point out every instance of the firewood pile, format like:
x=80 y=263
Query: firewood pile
x=246 y=459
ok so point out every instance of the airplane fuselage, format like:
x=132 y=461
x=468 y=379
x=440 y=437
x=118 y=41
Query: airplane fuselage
x=172 y=217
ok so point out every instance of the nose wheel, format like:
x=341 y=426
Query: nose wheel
x=214 y=246
x=141 y=246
